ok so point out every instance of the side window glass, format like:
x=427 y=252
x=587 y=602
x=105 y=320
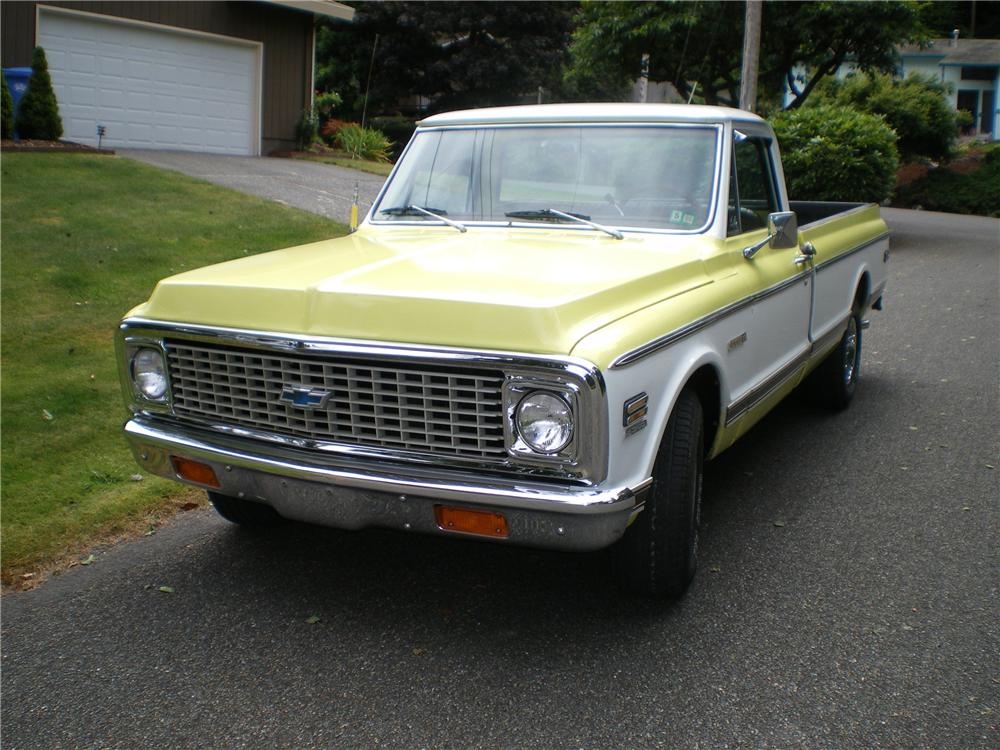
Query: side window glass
x=751 y=189
x=734 y=202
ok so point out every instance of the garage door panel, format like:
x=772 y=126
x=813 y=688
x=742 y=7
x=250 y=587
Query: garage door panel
x=111 y=66
x=150 y=87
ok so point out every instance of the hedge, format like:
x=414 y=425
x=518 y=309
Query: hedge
x=836 y=154
x=915 y=108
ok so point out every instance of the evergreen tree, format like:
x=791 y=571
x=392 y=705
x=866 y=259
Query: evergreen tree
x=38 y=113
x=7 y=119
x=456 y=54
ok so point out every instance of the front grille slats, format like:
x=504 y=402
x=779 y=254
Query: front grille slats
x=402 y=406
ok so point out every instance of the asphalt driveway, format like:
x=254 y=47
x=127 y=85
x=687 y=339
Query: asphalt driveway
x=324 y=189
x=848 y=596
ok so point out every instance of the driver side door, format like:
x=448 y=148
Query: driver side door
x=772 y=350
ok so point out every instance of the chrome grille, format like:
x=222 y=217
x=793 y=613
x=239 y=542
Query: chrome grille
x=392 y=405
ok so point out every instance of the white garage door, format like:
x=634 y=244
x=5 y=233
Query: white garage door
x=151 y=87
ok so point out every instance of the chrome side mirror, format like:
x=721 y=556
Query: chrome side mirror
x=783 y=228
x=782 y=232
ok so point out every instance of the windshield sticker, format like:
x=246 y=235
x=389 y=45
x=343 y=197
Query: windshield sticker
x=679 y=217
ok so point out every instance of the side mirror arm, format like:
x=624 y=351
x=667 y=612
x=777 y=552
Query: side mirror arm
x=783 y=232
x=750 y=251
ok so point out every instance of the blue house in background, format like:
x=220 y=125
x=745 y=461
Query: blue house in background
x=970 y=66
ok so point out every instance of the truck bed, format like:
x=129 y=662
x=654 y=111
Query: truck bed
x=810 y=212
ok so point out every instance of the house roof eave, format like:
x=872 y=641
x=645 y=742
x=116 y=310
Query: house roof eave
x=326 y=8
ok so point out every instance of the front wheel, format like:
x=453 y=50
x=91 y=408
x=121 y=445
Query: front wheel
x=657 y=557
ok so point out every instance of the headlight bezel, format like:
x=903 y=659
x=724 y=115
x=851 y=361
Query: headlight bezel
x=519 y=388
x=141 y=401
x=147 y=368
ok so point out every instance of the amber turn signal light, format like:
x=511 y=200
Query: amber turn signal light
x=479 y=522
x=195 y=471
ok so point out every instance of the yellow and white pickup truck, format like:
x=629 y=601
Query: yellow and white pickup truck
x=548 y=321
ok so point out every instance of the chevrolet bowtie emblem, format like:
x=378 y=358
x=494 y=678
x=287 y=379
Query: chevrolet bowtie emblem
x=306 y=398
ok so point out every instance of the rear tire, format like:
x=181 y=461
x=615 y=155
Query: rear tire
x=245 y=512
x=657 y=556
x=836 y=379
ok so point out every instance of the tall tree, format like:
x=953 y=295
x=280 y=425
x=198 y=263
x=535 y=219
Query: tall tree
x=697 y=44
x=457 y=54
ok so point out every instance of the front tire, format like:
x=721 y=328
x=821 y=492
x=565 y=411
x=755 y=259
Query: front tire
x=244 y=512
x=657 y=556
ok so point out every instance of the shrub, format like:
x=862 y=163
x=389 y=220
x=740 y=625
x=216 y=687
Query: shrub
x=397 y=129
x=974 y=192
x=7 y=120
x=364 y=143
x=38 y=110
x=330 y=129
x=325 y=102
x=306 y=129
x=916 y=108
x=836 y=154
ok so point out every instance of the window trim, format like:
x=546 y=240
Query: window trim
x=719 y=129
x=762 y=144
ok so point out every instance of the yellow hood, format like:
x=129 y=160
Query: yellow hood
x=528 y=290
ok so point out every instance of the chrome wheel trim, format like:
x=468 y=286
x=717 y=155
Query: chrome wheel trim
x=850 y=351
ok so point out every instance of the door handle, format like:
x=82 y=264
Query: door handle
x=808 y=253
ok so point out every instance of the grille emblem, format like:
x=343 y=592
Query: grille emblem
x=306 y=398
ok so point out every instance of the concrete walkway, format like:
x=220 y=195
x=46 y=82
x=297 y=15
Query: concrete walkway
x=324 y=189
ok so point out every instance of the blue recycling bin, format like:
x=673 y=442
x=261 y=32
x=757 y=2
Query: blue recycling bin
x=17 y=82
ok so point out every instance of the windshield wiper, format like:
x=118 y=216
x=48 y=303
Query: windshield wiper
x=434 y=213
x=549 y=213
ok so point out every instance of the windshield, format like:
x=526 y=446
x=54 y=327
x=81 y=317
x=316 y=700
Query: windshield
x=639 y=176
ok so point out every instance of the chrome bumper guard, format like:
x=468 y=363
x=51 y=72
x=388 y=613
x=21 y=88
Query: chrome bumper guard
x=550 y=516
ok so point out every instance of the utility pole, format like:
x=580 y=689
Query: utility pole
x=644 y=77
x=751 y=51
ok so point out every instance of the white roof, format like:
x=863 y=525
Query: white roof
x=600 y=112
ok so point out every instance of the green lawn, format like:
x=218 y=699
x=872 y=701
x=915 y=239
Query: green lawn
x=342 y=159
x=84 y=239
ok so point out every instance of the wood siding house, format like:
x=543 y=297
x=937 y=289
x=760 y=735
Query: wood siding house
x=221 y=77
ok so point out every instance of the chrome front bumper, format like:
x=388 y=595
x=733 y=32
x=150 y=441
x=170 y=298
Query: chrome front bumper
x=544 y=515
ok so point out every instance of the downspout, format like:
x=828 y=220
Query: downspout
x=312 y=66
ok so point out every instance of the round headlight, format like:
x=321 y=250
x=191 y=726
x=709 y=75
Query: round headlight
x=544 y=422
x=149 y=373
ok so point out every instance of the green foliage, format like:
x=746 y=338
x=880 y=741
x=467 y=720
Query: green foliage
x=455 y=54
x=364 y=143
x=306 y=129
x=700 y=44
x=325 y=102
x=38 y=111
x=836 y=154
x=941 y=16
x=975 y=192
x=7 y=117
x=688 y=44
x=915 y=108
x=86 y=238
x=397 y=129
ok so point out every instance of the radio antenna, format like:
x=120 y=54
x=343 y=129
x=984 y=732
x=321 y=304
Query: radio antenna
x=368 y=86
